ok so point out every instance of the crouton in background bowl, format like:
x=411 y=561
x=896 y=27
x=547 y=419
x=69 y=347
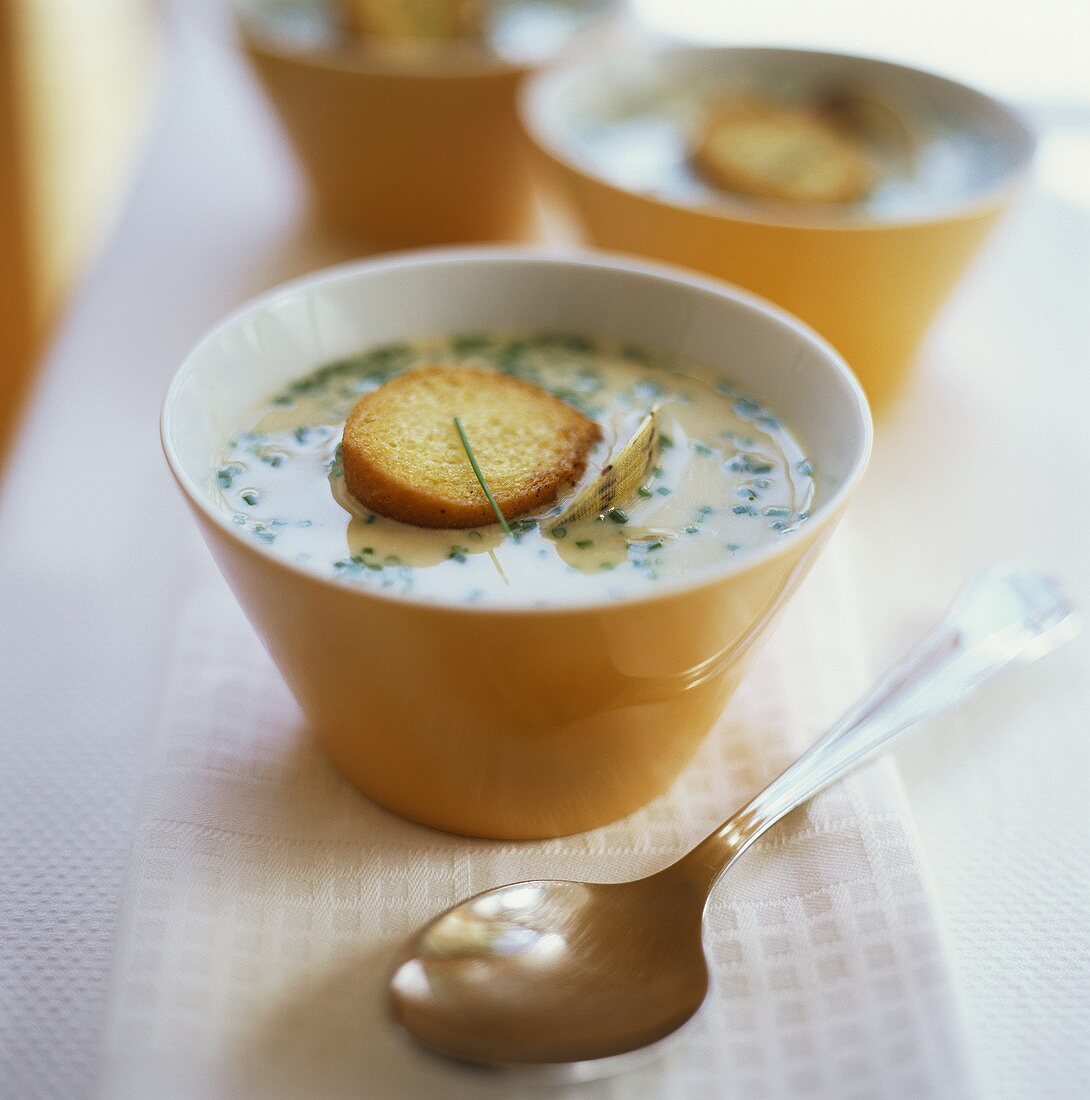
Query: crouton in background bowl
x=562 y=700
x=851 y=191
x=402 y=112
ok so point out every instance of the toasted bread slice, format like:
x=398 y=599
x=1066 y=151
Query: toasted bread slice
x=403 y=458
x=413 y=19
x=783 y=153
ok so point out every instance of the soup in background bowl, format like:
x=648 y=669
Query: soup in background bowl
x=518 y=685
x=625 y=139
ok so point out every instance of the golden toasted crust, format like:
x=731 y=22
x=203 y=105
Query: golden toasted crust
x=409 y=19
x=783 y=153
x=403 y=458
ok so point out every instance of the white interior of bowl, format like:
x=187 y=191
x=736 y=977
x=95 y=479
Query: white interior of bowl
x=339 y=312
x=629 y=120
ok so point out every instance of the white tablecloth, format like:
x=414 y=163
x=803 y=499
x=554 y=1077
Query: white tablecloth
x=987 y=457
x=264 y=900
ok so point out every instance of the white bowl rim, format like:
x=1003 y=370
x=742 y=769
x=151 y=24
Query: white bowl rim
x=534 y=108
x=826 y=512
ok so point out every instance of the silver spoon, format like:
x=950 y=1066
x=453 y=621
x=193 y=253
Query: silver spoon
x=574 y=978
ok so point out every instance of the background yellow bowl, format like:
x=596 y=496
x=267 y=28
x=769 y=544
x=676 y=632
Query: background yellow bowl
x=513 y=722
x=614 y=135
x=400 y=150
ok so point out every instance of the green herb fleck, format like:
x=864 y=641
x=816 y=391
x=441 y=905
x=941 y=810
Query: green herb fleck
x=617 y=515
x=584 y=544
x=645 y=492
x=250 y=497
x=467 y=345
x=226 y=475
x=559 y=532
x=480 y=476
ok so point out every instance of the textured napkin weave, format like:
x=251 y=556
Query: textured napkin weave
x=266 y=898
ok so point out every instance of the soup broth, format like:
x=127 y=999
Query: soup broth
x=515 y=31
x=728 y=478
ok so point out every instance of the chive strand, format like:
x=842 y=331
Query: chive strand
x=480 y=476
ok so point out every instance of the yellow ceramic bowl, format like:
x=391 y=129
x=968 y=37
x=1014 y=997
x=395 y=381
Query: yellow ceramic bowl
x=400 y=150
x=615 y=136
x=526 y=722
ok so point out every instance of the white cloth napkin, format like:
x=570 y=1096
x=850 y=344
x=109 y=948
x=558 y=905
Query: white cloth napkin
x=265 y=899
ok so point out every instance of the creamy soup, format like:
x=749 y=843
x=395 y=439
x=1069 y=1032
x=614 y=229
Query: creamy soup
x=727 y=478
x=931 y=145
x=516 y=31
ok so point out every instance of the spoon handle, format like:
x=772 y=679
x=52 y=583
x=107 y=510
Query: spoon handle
x=1003 y=617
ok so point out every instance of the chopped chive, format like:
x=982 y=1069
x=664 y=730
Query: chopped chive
x=654 y=545
x=480 y=476
x=692 y=529
x=645 y=492
x=662 y=491
x=618 y=515
x=559 y=532
x=702 y=449
x=250 y=497
x=806 y=468
x=777 y=511
x=225 y=475
x=584 y=544
x=475 y=535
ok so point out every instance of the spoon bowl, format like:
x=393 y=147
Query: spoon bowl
x=551 y=971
